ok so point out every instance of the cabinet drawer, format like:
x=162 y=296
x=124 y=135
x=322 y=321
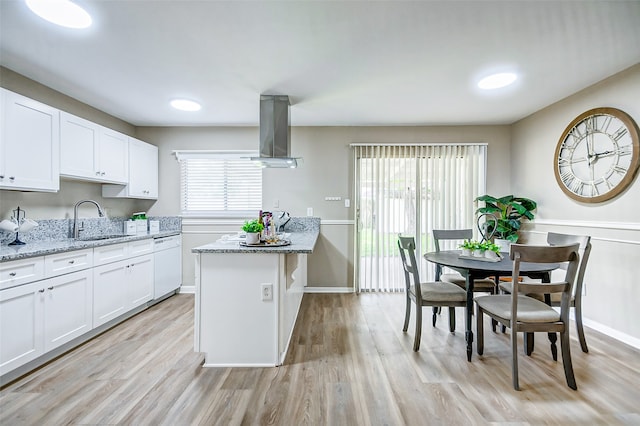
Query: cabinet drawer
x=111 y=253
x=140 y=247
x=18 y=272
x=63 y=263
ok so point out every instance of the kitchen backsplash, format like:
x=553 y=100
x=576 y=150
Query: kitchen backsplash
x=60 y=229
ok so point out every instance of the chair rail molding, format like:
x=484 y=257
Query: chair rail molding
x=627 y=226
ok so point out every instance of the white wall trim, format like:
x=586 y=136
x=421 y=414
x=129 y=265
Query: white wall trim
x=328 y=290
x=610 y=240
x=627 y=226
x=212 y=221
x=615 y=334
x=187 y=289
x=337 y=222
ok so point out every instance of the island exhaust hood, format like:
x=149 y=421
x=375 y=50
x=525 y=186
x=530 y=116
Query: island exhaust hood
x=275 y=133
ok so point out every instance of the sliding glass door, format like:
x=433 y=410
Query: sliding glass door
x=410 y=190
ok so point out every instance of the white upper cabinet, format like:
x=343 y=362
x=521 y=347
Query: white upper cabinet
x=29 y=144
x=92 y=152
x=143 y=173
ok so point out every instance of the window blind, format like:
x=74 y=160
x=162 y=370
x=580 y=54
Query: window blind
x=219 y=183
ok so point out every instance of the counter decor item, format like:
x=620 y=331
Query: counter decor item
x=18 y=223
x=253 y=228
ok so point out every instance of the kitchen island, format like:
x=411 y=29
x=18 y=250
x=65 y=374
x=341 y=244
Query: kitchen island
x=247 y=298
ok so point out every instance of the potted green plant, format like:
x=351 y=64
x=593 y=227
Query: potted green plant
x=509 y=212
x=253 y=228
x=467 y=247
x=492 y=250
x=478 y=249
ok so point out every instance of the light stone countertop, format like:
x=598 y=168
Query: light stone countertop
x=301 y=242
x=41 y=248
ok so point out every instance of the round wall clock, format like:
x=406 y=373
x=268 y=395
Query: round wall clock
x=597 y=155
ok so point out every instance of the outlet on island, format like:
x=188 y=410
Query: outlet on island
x=267 y=291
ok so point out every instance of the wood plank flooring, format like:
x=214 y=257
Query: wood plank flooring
x=349 y=364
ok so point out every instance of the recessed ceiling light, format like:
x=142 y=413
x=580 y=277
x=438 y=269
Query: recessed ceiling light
x=496 y=81
x=185 y=105
x=61 y=12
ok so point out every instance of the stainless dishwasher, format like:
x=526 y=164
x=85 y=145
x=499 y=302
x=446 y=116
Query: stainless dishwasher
x=167 y=259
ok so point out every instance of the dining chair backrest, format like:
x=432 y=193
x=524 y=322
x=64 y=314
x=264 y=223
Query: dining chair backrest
x=450 y=234
x=544 y=254
x=407 y=246
x=556 y=239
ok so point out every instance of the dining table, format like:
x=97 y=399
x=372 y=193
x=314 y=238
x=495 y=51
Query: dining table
x=472 y=269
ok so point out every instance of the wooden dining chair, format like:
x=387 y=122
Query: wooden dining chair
x=483 y=285
x=556 y=239
x=525 y=314
x=434 y=294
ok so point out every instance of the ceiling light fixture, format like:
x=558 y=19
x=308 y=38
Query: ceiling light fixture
x=185 y=105
x=61 y=12
x=496 y=81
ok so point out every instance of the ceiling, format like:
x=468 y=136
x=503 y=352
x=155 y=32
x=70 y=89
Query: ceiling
x=341 y=62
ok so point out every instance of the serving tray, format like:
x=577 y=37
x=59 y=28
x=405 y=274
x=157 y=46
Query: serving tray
x=481 y=259
x=279 y=243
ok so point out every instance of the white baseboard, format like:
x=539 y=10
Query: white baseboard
x=622 y=337
x=187 y=289
x=328 y=290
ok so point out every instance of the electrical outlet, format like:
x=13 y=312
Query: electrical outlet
x=267 y=291
x=309 y=211
x=347 y=202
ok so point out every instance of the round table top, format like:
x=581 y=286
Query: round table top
x=452 y=259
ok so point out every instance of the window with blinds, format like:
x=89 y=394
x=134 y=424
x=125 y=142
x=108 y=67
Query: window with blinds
x=219 y=183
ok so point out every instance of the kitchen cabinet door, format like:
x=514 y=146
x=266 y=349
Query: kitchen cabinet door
x=21 y=325
x=79 y=140
x=114 y=156
x=140 y=280
x=29 y=144
x=68 y=307
x=110 y=291
x=143 y=173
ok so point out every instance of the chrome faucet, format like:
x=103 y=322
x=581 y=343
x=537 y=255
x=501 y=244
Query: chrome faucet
x=76 y=228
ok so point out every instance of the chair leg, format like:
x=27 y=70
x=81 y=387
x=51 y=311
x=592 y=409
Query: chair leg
x=416 y=339
x=435 y=316
x=452 y=319
x=553 y=338
x=566 y=360
x=583 y=342
x=479 y=330
x=493 y=325
x=514 y=358
x=407 y=314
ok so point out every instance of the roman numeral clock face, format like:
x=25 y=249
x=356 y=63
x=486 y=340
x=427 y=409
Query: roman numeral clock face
x=597 y=155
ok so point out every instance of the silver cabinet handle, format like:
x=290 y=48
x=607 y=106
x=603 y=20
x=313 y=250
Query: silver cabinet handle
x=41 y=290
x=72 y=262
x=12 y=274
x=97 y=173
x=12 y=178
x=50 y=288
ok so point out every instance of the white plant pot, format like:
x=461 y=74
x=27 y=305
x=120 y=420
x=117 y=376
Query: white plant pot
x=478 y=253
x=253 y=238
x=466 y=252
x=505 y=245
x=491 y=254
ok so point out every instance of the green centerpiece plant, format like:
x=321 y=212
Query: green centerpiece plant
x=509 y=212
x=253 y=228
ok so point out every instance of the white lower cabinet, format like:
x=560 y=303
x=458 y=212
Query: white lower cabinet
x=121 y=286
x=68 y=308
x=48 y=301
x=140 y=287
x=40 y=316
x=109 y=288
x=21 y=325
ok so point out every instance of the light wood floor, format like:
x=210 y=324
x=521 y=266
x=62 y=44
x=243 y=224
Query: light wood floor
x=349 y=363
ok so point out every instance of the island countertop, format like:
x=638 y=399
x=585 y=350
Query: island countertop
x=301 y=242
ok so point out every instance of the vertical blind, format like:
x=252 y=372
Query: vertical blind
x=410 y=190
x=214 y=183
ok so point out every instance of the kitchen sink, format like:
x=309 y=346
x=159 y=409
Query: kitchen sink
x=100 y=237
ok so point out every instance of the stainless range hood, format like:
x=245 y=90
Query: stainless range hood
x=275 y=133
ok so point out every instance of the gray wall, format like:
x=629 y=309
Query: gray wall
x=327 y=170
x=612 y=290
